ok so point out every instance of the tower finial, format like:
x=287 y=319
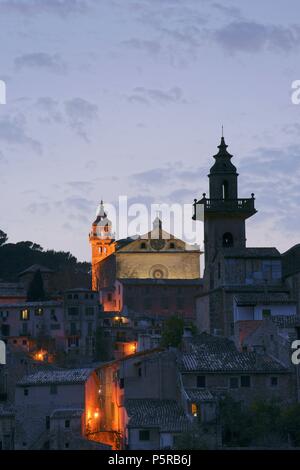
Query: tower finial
x=222 y=131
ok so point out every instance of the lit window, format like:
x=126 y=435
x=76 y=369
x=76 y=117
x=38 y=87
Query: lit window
x=38 y=311
x=194 y=409
x=25 y=314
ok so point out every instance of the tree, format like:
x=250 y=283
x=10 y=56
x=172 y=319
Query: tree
x=36 y=288
x=3 y=237
x=172 y=332
x=291 y=424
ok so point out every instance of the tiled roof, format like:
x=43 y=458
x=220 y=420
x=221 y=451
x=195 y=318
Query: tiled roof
x=217 y=354
x=67 y=413
x=256 y=298
x=36 y=267
x=258 y=252
x=197 y=395
x=48 y=377
x=286 y=321
x=166 y=415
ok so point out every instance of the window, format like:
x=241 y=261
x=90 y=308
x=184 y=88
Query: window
x=73 y=329
x=75 y=296
x=121 y=382
x=38 y=311
x=274 y=381
x=144 y=435
x=225 y=190
x=245 y=381
x=26 y=392
x=5 y=330
x=266 y=313
x=139 y=371
x=67 y=445
x=25 y=314
x=219 y=270
x=24 y=342
x=172 y=245
x=109 y=297
x=233 y=382
x=55 y=326
x=73 y=311
x=69 y=296
x=227 y=240
x=24 y=328
x=201 y=381
x=89 y=310
x=90 y=328
x=86 y=296
x=53 y=389
x=194 y=409
x=67 y=423
x=92 y=296
x=143 y=246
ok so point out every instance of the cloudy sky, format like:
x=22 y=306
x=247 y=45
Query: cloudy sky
x=127 y=97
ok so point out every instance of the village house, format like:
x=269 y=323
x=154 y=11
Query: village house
x=212 y=363
x=49 y=400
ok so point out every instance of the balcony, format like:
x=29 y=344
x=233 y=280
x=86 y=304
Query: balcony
x=243 y=206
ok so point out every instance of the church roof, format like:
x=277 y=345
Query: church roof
x=257 y=252
x=223 y=160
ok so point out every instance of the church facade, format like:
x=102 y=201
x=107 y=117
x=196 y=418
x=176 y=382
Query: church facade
x=155 y=273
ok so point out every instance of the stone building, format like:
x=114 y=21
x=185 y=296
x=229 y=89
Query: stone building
x=162 y=270
x=68 y=325
x=231 y=269
x=49 y=401
x=214 y=364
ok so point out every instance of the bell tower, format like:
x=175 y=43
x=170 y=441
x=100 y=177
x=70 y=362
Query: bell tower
x=224 y=212
x=102 y=242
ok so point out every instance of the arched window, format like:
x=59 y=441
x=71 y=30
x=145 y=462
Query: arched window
x=227 y=239
x=225 y=190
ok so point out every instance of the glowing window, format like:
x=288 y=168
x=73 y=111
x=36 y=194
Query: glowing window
x=25 y=314
x=194 y=409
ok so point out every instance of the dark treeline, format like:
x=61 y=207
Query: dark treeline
x=16 y=257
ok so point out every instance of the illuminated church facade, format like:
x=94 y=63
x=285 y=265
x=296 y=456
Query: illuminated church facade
x=154 y=273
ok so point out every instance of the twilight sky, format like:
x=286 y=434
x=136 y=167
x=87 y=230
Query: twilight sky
x=127 y=97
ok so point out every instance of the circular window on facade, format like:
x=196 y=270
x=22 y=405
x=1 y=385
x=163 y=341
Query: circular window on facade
x=158 y=274
x=158 y=271
x=157 y=243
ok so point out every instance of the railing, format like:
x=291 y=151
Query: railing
x=226 y=205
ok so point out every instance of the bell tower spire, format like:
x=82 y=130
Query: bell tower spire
x=102 y=242
x=224 y=212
